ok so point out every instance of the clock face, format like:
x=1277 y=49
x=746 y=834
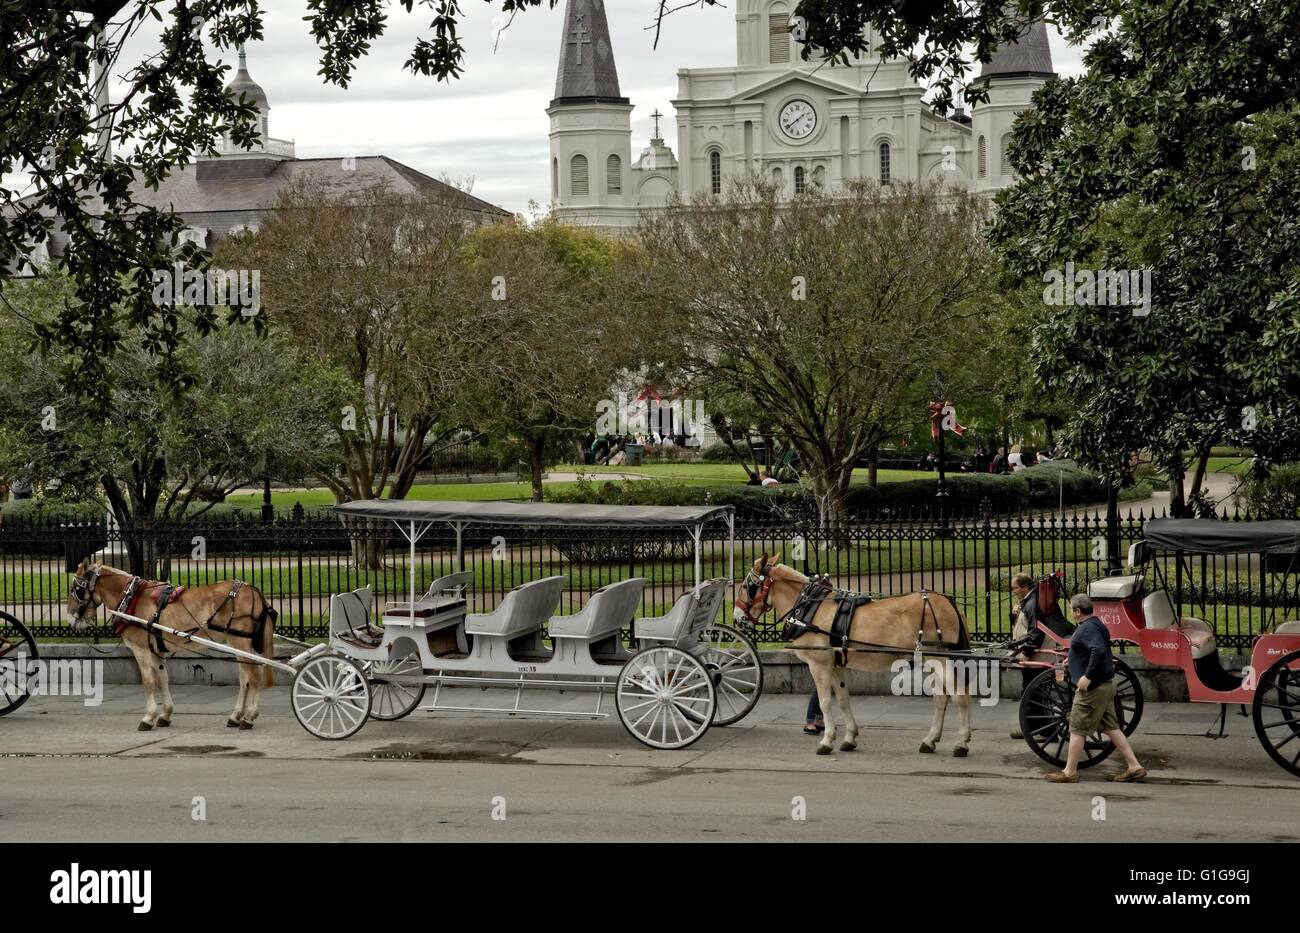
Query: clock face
x=798 y=119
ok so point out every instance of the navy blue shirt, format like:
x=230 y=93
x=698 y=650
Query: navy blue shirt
x=1090 y=652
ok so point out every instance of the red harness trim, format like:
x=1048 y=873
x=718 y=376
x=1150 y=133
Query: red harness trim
x=149 y=590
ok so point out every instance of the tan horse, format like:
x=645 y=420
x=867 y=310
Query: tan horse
x=230 y=612
x=892 y=623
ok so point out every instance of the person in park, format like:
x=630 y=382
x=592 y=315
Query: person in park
x=1092 y=670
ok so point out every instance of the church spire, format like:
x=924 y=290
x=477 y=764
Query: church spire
x=1030 y=55
x=586 y=71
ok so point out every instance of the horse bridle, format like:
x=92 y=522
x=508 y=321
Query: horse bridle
x=83 y=592
x=756 y=591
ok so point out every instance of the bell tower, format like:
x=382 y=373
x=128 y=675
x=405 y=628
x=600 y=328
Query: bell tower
x=591 y=129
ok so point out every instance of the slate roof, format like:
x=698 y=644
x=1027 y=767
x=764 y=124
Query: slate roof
x=586 y=72
x=1029 y=55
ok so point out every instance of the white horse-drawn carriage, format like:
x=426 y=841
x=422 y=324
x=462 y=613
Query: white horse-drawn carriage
x=683 y=672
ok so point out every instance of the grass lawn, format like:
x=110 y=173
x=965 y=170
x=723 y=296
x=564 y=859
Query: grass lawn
x=694 y=474
x=701 y=474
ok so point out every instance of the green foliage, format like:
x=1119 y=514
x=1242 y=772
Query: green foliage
x=1036 y=487
x=1275 y=496
x=719 y=453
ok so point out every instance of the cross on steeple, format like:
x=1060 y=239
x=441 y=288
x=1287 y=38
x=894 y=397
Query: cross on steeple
x=581 y=35
x=655 y=116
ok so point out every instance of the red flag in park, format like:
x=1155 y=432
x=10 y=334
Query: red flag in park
x=938 y=412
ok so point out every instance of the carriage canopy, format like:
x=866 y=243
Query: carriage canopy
x=537 y=513
x=1214 y=536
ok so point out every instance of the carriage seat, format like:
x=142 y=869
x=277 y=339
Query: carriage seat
x=693 y=612
x=1118 y=587
x=1288 y=628
x=609 y=609
x=1158 y=611
x=525 y=609
x=443 y=605
x=350 y=618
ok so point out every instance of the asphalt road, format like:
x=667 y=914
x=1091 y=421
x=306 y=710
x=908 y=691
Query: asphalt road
x=71 y=773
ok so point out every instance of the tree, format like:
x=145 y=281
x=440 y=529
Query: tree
x=1175 y=158
x=252 y=407
x=358 y=280
x=832 y=313
x=545 y=335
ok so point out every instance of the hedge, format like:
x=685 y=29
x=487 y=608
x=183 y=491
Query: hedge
x=1035 y=487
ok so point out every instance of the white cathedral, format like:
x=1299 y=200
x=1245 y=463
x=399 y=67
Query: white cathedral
x=796 y=123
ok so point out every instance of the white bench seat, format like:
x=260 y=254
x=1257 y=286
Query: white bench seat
x=524 y=609
x=609 y=609
x=693 y=612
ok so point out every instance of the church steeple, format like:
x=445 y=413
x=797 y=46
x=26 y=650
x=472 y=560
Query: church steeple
x=1028 y=56
x=586 y=72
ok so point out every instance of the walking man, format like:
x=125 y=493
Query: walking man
x=1092 y=669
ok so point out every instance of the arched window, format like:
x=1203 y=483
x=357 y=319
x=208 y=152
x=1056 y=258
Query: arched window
x=884 y=163
x=798 y=179
x=1004 y=164
x=555 y=178
x=715 y=171
x=981 y=158
x=613 y=175
x=578 y=175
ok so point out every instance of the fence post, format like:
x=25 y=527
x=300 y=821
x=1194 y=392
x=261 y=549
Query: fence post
x=986 y=528
x=302 y=603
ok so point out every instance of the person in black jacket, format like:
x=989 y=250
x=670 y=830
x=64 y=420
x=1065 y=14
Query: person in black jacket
x=1026 y=637
x=1092 y=671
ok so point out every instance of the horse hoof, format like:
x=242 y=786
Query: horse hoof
x=961 y=751
x=232 y=723
x=245 y=724
x=927 y=748
x=163 y=723
x=143 y=727
x=848 y=746
x=823 y=749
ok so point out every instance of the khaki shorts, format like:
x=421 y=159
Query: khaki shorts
x=1094 y=711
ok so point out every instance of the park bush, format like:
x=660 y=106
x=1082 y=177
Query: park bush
x=1277 y=496
x=1037 y=487
x=719 y=453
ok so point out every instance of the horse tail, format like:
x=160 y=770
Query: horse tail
x=267 y=618
x=963 y=637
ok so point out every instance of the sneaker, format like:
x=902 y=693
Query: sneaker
x=814 y=729
x=1060 y=777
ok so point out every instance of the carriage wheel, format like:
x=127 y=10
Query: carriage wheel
x=391 y=701
x=1128 y=698
x=737 y=672
x=1276 y=711
x=1045 y=722
x=331 y=697
x=665 y=697
x=18 y=656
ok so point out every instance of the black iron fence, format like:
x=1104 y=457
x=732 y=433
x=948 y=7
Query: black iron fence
x=299 y=560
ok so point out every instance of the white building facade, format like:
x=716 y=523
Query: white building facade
x=796 y=123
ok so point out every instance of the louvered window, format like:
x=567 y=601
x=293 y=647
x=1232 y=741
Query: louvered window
x=798 y=179
x=613 y=175
x=578 y=175
x=778 y=38
x=981 y=158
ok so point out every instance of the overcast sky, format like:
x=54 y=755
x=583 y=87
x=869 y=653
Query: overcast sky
x=490 y=125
